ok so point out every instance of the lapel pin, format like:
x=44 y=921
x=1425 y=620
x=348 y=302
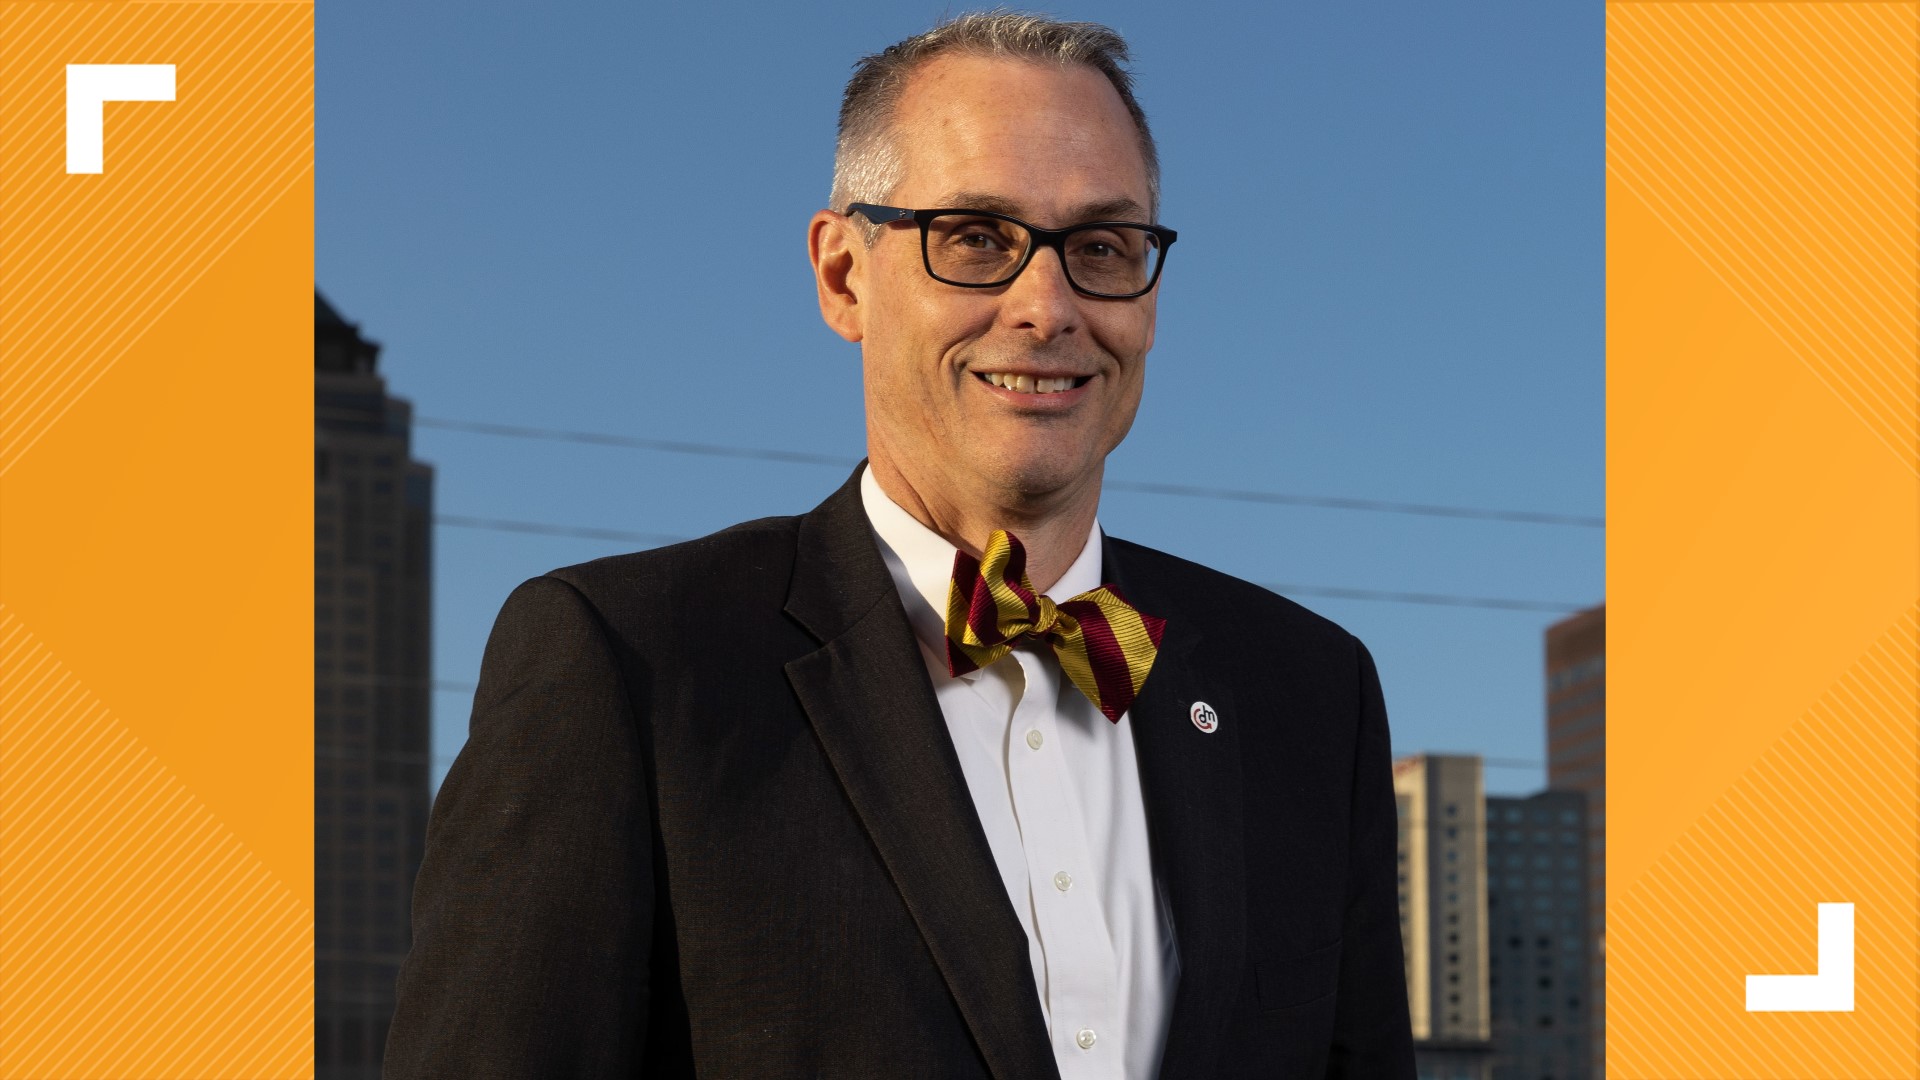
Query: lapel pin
x=1204 y=717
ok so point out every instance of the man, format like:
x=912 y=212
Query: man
x=936 y=780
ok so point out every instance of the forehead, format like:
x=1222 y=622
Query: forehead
x=1045 y=136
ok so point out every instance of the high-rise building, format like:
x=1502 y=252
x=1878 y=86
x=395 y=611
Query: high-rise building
x=372 y=558
x=1539 y=949
x=1577 y=761
x=1443 y=912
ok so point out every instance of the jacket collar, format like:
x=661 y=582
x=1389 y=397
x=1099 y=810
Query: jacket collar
x=1191 y=783
x=867 y=694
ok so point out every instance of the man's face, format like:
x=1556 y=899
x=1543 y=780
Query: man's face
x=1054 y=147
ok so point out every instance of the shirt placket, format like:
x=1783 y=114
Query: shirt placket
x=1082 y=974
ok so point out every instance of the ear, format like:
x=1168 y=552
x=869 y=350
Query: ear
x=838 y=254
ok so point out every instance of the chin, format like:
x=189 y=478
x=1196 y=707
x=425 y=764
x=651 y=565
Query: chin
x=1042 y=472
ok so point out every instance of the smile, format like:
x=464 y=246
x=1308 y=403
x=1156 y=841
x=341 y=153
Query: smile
x=1028 y=384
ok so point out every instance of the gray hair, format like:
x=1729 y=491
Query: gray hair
x=866 y=161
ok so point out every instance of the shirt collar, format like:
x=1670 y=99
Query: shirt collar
x=921 y=562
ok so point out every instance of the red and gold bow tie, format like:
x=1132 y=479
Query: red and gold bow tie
x=1105 y=645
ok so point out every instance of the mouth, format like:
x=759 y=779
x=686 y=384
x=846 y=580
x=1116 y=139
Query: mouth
x=1032 y=384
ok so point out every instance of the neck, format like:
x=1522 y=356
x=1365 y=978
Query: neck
x=1053 y=528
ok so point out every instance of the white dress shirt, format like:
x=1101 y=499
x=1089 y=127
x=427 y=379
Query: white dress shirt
x=1057 y=789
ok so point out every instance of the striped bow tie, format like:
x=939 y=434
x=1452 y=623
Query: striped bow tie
x=1105 y=645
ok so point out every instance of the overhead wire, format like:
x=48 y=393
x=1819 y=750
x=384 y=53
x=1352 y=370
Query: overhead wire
x=1198 y=491
x=1329 y=591
x=676 y=446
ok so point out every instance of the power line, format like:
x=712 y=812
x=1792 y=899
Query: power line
x=585 y=531
x=670 y=446
x=1438 y=599
x=1332 y=502
x=1192 y=491
x=1336 y=592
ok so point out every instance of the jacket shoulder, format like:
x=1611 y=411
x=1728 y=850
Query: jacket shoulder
x=1220 y=598
x=748 y=565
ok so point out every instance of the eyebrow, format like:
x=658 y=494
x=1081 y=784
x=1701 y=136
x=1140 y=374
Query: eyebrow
x=1102 y=210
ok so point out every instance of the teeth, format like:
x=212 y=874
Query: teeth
x=1027 y=384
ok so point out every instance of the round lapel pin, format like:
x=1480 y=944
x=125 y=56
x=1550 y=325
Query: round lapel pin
x=1204 y=717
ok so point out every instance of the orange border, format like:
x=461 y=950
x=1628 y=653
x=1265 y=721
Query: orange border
x=1763 y=493
x=156 y=783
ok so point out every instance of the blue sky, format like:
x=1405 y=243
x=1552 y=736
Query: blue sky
x=1388 y=286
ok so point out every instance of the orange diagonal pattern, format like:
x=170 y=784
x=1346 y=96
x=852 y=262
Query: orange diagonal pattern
x=1763 y=450
x=141 y=938
x=156 y=799
x=1778 y=141
x=1825 y=814
x=91 y=261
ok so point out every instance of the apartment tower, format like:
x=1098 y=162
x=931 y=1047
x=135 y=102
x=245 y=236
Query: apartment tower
x=372 y=558
x=1539 y=948
x=1443 y=911
x=1577 y=761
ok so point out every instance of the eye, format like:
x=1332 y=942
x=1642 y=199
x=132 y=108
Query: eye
x=978 y=239
x=1100 y=246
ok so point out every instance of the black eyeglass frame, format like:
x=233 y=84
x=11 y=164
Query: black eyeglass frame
x=1053 y=238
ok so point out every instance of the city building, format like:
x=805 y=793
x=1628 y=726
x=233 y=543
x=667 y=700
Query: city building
x=1443 y=913
x=1539 y=945
x=372 y=557
x=1577 y=761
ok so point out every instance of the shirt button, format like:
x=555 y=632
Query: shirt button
x=1034 y=739
x=1084 y=1038
x=1063 y=881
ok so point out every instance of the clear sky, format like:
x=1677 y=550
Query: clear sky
x=1388 y=286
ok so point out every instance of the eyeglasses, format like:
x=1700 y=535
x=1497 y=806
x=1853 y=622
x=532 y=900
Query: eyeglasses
x=979 y=249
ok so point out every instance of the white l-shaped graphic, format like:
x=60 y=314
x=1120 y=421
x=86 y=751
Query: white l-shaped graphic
x=1830 y=990
x=89 y=88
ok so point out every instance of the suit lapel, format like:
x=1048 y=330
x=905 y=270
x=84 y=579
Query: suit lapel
x=1191 y=783
x=866 y=692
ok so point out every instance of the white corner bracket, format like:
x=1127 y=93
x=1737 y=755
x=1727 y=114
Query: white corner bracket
x=1830 y=990
x=89 y=88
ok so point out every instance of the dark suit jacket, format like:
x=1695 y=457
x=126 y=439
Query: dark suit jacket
x=709 y=819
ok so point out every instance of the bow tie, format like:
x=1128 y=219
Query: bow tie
x=1105 y=645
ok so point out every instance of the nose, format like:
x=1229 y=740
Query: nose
x=1040 y=300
